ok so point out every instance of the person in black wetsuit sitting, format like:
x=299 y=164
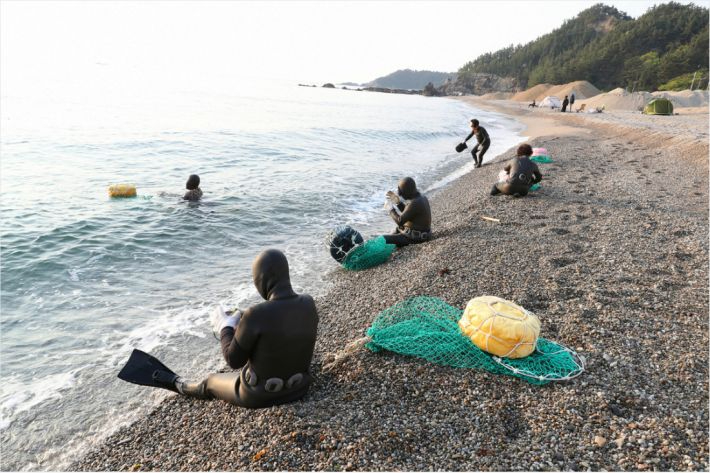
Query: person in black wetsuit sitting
x=413 y=217
x=520 y=174
x=484 y=142
x=272 y=342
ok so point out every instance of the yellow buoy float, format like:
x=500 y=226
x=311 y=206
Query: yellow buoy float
x=122 y=190
x=500 y=327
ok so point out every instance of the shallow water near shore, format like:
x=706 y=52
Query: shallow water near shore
x=85 y=278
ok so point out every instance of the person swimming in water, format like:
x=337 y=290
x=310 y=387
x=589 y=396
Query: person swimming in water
x=518 y=174
x=413 y=216
x=193 y=188
x=272 y=342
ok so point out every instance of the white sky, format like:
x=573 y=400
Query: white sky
x=305 y=41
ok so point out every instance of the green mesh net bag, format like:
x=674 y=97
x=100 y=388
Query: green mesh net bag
x=535 y=187
x=541 y=159
x=371 y=253
x=427 y=327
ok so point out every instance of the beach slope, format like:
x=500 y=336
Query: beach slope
x=611 y=254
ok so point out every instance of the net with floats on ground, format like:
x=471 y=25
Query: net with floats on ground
x=540 y=155
x=427 y=327
x=371 y=253
x=348 y=248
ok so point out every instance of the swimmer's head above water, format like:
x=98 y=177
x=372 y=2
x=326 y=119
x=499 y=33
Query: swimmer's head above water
x=193 y=182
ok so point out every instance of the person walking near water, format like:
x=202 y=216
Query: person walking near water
x=571 y=101
x=484 y=142
x=565 y=102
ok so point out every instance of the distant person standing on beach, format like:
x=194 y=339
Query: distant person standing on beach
x=571 y=101
x=565 y=102
x=484 y=141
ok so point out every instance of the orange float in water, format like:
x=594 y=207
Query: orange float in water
x=122 y=190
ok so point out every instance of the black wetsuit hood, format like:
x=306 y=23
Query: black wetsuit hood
x=193 y=182
x=270 y=273
x=407 y=188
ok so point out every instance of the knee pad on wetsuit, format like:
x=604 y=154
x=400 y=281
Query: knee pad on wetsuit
x=222 y=386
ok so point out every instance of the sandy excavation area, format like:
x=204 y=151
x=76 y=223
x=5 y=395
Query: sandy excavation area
x=618 y=99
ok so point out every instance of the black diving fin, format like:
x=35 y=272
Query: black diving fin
x=146 y=370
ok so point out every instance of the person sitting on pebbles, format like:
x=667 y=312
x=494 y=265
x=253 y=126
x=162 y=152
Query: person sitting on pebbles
x=412 y=214
x=272 y=343
x=518 y=175
x=194 y=192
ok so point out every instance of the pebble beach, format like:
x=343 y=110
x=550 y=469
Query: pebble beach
x=611 y=254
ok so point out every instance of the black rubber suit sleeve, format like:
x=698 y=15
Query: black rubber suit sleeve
x=408 y=214
x=468 y=137
x=537 y=176
x=234 y=354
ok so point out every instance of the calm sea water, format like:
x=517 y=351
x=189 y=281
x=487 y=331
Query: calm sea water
x=85 y=278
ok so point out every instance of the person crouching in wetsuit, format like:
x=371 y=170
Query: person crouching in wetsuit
x=484 y=142
x=272 y=342
x=414 y=223
x=521 y=173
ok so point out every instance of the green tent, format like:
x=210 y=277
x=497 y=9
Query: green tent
x=659 y=107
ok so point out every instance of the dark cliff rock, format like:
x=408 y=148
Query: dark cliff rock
x=431 y=91
x=391 y=91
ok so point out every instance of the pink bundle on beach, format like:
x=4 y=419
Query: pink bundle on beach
x=540 y=152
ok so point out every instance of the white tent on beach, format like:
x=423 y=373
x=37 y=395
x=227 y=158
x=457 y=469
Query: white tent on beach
x=551 y=102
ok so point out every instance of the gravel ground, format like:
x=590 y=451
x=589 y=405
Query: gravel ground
x=612 y=254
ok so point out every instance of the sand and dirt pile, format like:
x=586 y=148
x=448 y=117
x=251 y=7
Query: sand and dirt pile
x=685 y=98
x=537 y=92
x=581 y=88
x=618 y=99
x=621 y=99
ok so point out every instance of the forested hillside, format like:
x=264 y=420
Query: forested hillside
x=608 y=48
